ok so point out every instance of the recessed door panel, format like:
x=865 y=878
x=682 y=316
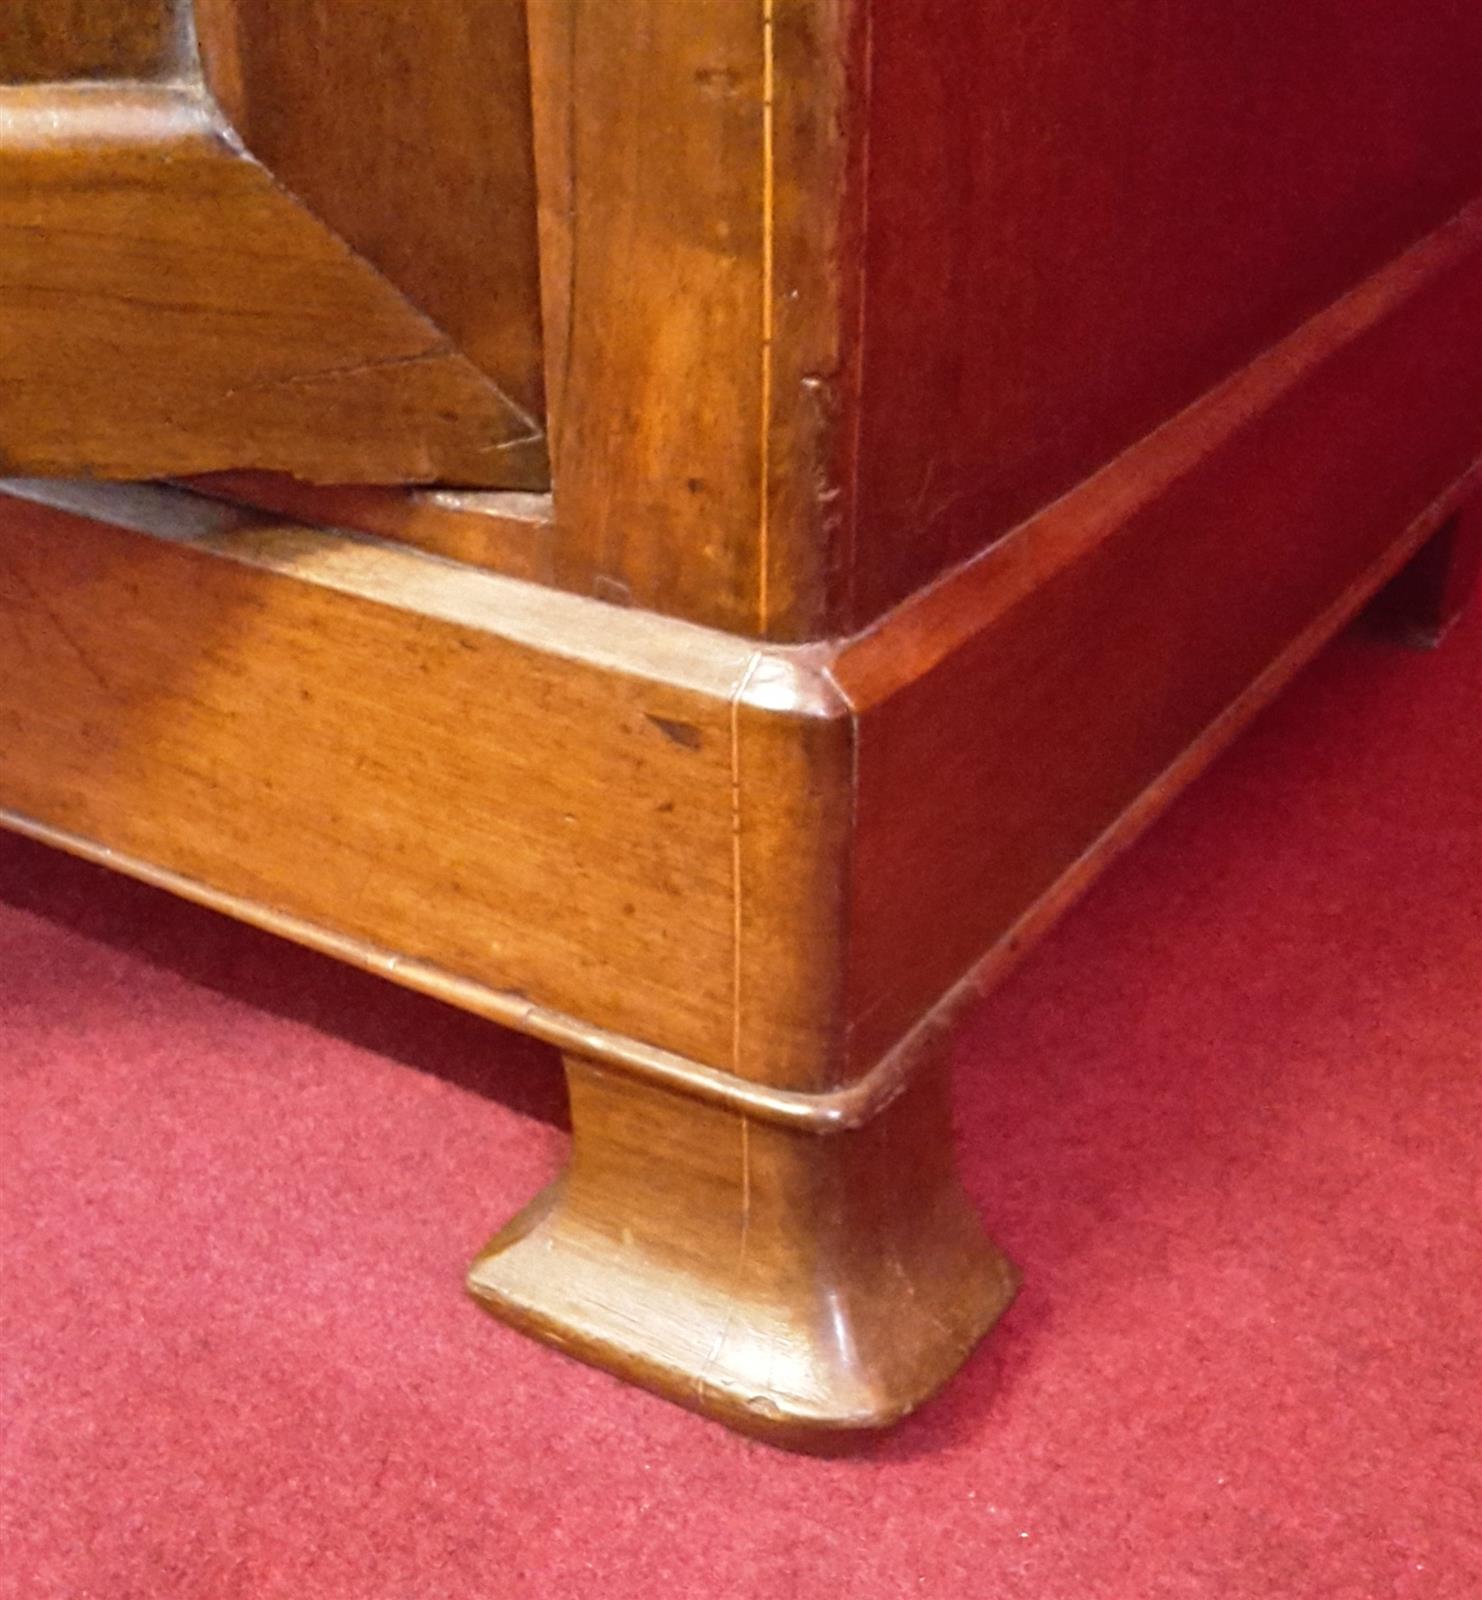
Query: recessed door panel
x=249 y=234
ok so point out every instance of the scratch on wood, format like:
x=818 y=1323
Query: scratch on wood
x=681 y=733
x=40 y=603
x=441 y=351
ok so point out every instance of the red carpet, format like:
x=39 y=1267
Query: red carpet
x=1226 y=1119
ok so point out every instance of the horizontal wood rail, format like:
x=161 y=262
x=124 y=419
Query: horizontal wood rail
x=757 y=873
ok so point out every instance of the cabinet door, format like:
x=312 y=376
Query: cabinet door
x=295 y=235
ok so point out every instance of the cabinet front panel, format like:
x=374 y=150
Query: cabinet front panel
x=309 y=249
x=47 y=40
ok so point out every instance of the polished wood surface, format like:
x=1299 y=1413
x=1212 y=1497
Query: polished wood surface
x=659 y=316
x=1047 y=686
x=503 y=531
x=632 y=822
x=690 y=158
x=1084 y=216
x=315 y=752
x=48 y=40
x=411 y=143
x=963 y=419
x=948 y=319
x=789 y=406
x=796 y=1286
x=169 y=304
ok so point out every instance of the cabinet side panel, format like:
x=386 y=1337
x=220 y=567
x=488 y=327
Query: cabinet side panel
x=1082 y=216
x=1017 y=721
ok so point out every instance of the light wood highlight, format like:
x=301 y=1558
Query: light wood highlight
x=167 y=309
x=796 y=1286
x=407 y=133
x=551 y=798
x=506 y=532
x=690 y=160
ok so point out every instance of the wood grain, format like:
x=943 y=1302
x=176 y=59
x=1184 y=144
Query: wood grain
x=1156 y=195
x=1059 y=371
x=551 y=25
x=966 y=315
x=1019 y=719
x=691 y=163
x=709 y=280
x=408 y=134
x=757 y=882
x=166 y=309
x=1042 y=690
x=505 y=532
x=660 y=425
x=795 y=1286
x=52 y=40
x=561 y=801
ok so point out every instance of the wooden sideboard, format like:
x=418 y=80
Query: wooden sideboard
x=693 y=528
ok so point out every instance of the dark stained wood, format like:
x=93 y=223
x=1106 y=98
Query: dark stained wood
x=1011 y=719
x=1426 y=600
x=1084 y=215
x=795 y=1286
x=51 y=40
x=165 y=308
x=406 y=132
x=1017 y=393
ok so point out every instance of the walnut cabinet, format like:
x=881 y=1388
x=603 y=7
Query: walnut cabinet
x=692 y=528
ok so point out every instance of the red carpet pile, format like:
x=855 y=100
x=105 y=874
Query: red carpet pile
x=1226 y=1119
